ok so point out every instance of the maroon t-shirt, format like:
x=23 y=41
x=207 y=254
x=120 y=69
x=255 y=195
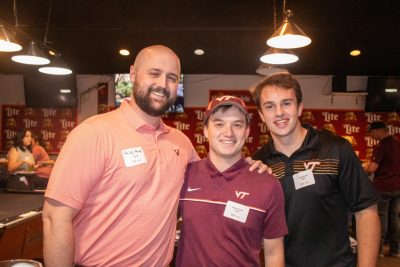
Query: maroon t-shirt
x=210 y=238
x=387 y=155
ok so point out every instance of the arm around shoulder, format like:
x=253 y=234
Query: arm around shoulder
x=58 y=245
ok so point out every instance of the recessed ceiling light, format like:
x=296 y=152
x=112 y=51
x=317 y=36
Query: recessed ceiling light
x=52 y=53
x=199 y=52
x=65 y=91
x=124 y=52
x=355 y=53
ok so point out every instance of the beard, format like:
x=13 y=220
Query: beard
x=145 y=103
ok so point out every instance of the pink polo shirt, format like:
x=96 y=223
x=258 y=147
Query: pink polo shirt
x=125 y=177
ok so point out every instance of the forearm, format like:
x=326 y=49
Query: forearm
x=368 y=236
x=14 y=165
x=274 y=255
x=58 y=243
x=275 y=261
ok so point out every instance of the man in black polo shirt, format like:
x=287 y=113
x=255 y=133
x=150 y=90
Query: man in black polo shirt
x=385 y=165
x=322 y=179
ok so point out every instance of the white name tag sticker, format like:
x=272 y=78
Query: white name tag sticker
x=133 y=156
x=303 y=179
x=236 y=211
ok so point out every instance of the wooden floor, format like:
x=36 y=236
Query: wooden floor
x=388 y=261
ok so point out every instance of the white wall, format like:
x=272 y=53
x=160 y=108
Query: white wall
x=316 y=91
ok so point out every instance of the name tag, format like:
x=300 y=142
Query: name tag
x=303 y=179
x=236 y=211
x=133 y=156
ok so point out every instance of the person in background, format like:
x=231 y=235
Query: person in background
x=113 y=193
x=322 y=179
x=44 y=164
x=384 y=165
x=227 y=211
x=20 y=156
x=329 y=128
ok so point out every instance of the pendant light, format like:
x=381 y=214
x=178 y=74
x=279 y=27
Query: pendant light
x=56 y=67
x=7 y=40
x=279 y=56
x=288 y=35
x=32 y=55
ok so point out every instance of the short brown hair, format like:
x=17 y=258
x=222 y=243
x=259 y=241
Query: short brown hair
x=281 y=80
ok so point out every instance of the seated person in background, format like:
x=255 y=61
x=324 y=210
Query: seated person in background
x=227 y=211
x=44 y=164
x=20 y=156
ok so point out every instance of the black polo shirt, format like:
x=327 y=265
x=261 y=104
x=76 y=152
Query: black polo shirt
x=317 y=214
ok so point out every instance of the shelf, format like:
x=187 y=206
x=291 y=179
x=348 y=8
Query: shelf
x=356 y=94
x=350 y=93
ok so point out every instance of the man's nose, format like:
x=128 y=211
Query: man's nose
x=228 y=130
x=162 y=81
x=279 y=110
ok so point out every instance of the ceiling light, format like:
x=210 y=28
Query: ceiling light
x=355 y=53
x=56 y=67
x=288 y=35
x=124 y=52
x=65 y=91
x=279 y=56
x=268 y=70
x=7 y=41
x=33 y=56
x=199 y=52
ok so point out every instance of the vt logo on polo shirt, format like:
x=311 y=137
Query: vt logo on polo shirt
x=241 y=195
x=311 y=165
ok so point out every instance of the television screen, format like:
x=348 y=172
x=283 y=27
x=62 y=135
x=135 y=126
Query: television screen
x=383 y=94
x=45 y=91
x=123 y=90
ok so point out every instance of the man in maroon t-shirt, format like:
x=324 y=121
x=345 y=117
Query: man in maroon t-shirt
x=229 y=212
x=385 y=166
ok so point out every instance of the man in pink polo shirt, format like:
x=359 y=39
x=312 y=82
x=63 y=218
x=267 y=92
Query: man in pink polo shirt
x=227 y=211
x=113 y=193
x=112 y=196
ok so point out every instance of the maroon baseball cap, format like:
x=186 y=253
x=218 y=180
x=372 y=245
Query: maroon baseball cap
x=226 y=100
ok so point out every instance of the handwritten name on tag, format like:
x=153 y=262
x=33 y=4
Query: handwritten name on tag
x=236 y=211
x=303 y=179
x=133 y=156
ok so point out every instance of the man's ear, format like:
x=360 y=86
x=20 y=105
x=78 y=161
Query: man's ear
x=261 y=115
x=300 y=109
x=132 y=74
x=205 y=130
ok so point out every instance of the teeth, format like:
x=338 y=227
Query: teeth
x=159 y=94
x=280 y=121
x=227 y=142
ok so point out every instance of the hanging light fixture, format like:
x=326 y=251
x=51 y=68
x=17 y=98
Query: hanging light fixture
x=288 y=35
x=279 y=56
x=7 y=41
x=276 y=56
x=268 y=69
x=56 y=67
x=32 y=56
